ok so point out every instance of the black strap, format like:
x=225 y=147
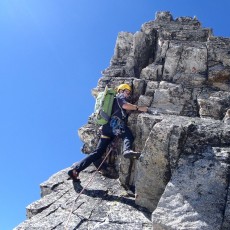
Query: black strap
x=122 y=111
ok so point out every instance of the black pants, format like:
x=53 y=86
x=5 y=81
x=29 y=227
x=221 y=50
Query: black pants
x=95 y=156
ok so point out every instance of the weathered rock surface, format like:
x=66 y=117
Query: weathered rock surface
x=103 y=205
x=182 y=72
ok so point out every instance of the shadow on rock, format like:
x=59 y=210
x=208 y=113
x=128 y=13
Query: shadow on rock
x=104 y=195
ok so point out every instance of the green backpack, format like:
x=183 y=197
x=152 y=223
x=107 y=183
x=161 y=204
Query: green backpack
x=103 y=106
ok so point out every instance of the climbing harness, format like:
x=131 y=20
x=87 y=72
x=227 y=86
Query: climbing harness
x=84 y=188
x=117 y=125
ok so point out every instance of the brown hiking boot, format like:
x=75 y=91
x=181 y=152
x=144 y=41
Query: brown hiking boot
x=73 y=174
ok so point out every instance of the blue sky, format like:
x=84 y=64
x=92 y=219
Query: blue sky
x=52 y=53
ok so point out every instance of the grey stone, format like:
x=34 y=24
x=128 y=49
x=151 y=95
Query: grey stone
x=102 y=205
x=182 y=72
x=227 y=117
x=196 y=205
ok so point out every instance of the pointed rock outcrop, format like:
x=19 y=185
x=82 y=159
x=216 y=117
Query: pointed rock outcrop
x=181 y=71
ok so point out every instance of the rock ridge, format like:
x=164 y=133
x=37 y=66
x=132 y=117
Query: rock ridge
x=182 y=179
x=97 y=208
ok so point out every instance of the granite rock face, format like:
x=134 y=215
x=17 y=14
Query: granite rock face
x=103 y=205
x=182 y=72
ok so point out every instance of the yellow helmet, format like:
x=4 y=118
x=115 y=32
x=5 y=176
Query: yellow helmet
x=123 y=87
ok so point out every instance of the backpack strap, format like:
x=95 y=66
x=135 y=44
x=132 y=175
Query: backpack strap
x=104 y=115
x=122 y=111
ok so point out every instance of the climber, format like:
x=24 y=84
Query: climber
x=116 y=127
